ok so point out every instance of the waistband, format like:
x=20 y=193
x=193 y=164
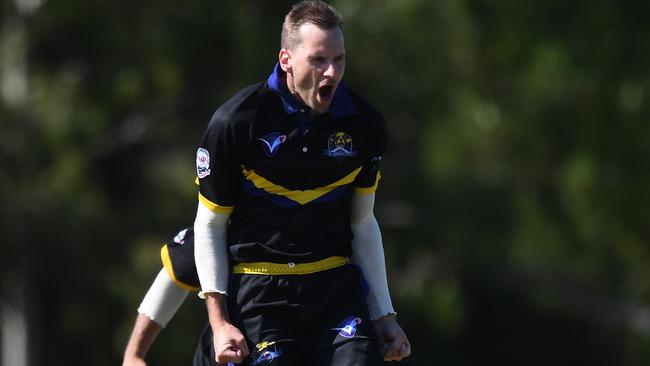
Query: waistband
x=268 y=268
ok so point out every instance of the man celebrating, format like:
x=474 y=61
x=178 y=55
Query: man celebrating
x=287 y=174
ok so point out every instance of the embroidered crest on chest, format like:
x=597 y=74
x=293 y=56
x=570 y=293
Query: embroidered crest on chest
x=339 y=146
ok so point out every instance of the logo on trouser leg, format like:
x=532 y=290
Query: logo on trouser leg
x=266 y=353
x=348 y=327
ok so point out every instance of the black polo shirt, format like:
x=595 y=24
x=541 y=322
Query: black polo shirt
x=287 y=180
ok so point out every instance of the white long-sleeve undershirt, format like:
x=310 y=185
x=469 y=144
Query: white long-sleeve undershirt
x=210 y=250
x=163 y=299
x=368 y=253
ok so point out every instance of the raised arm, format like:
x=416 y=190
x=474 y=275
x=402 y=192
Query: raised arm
x=157 y=308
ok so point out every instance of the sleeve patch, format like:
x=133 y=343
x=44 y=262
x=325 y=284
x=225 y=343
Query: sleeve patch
x=202 y=163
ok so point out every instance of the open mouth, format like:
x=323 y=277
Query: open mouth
x=326 y=92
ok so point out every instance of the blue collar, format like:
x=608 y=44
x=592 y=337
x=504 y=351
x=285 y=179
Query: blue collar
x=342 y=104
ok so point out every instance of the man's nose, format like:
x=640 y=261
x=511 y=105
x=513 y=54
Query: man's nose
x=331 y=71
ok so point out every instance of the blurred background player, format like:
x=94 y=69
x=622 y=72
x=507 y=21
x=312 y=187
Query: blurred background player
x=169 y=290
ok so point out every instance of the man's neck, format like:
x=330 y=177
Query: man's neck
x=287 y=79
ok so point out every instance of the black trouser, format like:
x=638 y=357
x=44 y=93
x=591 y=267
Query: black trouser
x=318 y=319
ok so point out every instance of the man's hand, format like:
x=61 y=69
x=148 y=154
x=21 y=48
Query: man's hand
x=229 y=344
x=393 y=344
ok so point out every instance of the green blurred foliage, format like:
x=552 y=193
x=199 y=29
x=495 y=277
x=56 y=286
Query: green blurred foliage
x=514 y=199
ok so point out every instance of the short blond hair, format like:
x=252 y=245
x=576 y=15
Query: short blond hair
x=315 y=12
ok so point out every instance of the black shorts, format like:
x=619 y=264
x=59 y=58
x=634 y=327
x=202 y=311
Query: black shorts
x=319 y=319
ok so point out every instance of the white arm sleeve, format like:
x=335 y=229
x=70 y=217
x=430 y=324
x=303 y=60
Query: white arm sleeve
x=368 y=253
x=210 y=250
x=162 y=300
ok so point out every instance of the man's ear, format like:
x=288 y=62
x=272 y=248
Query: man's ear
x=285 y=60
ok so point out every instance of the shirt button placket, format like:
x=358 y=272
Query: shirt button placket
x=304 y=122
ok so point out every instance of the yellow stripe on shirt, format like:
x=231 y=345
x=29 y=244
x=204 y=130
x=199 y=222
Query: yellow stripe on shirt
x=300 y=196
x=215 y=207
x=371 y=189
x=169 y=267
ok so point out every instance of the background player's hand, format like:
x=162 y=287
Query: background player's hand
x=229 y=344
x=393 y=343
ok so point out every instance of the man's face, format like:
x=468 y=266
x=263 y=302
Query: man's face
x=315 y=66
